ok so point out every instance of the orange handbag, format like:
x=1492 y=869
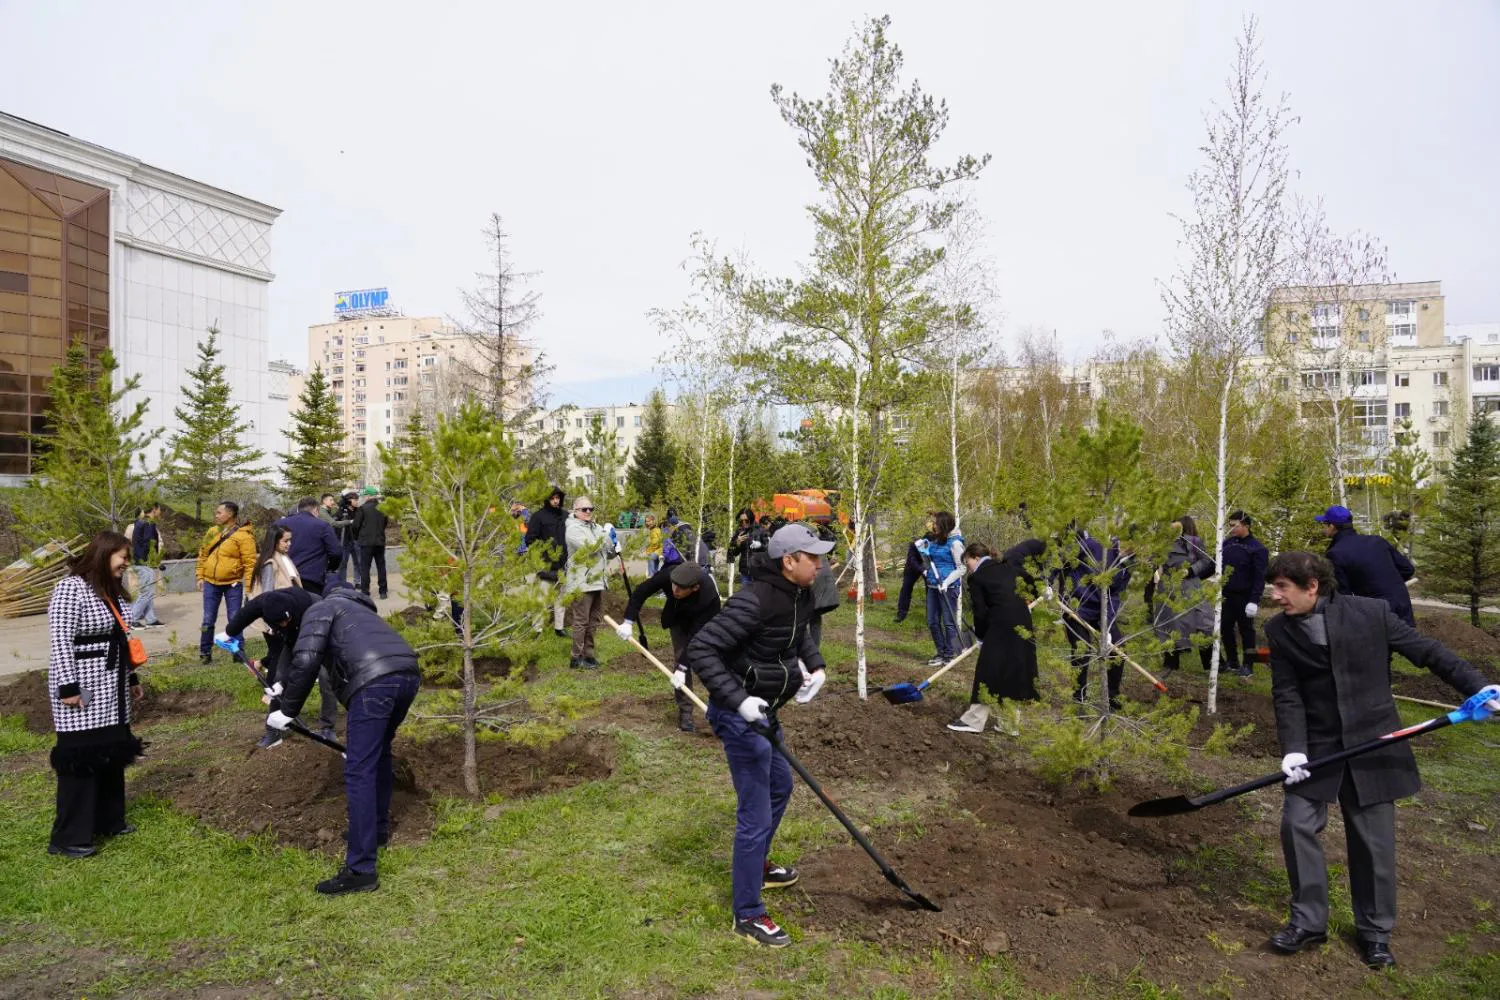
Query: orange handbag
x=135 y=648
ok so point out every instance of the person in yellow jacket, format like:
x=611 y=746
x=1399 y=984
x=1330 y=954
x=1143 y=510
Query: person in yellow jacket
x=226 y=562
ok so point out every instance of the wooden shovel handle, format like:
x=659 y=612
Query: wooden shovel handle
x=1144 y=672
x=658 y=664
x=950 y=665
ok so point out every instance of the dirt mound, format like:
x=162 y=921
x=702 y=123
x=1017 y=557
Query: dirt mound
x=26 y=696
x=1473 y=644
x=1066 y=885
x=1237 y=707
x=295 y=793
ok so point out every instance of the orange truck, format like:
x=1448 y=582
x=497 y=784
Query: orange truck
x=817 y=506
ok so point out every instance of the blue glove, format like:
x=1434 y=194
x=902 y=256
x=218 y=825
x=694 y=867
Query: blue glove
x=226 y=642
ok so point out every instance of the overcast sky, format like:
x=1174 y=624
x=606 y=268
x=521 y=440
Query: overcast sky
x=607 y=133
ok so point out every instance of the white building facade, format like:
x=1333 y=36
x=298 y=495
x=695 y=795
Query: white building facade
x=97 y=246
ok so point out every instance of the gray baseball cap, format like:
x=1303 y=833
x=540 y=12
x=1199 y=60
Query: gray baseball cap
x=796 y=538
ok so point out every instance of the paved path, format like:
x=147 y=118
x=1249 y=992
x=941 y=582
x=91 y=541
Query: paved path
x=24 y=643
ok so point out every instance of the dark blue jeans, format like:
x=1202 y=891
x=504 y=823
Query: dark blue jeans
x=350 y=561
x=942 y=620
x=763 y=785
x=374 y=713
x=231 y=594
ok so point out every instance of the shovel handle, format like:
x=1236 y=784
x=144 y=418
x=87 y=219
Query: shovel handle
x=1144 y=672
x=948 y=666
x=658 y=664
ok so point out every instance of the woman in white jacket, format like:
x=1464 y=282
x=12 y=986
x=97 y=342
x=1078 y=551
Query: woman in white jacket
x=589 y=552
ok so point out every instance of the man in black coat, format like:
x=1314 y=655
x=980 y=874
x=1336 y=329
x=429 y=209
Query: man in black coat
x=1331 y=686
x=754 y=657
x=376 y=675
x=1367 y=565
x=550 y=524
x=315 y=548
x=692 y=600
x=282 y=612
x=369 y=533
x=1245 y=560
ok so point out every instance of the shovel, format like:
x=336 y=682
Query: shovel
x=905 y=693
x=772 y=733
x=236 y=650
x=1472 y=710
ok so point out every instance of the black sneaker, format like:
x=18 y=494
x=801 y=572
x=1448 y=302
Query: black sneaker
x=778 y=876
x=575 y=662
x=205 y=658
x=149 y=625
x=348 y=881
x=73 y=852
x=762 y=930
x=590 y=663
x=271 y=739
x=384 y=596
x=560 y=633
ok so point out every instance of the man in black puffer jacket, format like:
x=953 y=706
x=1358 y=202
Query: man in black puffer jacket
x=375 y=672
x=692 y=602
x=753 y=657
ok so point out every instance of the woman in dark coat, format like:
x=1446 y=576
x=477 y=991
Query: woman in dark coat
x=91 y=683
x=1007 y=660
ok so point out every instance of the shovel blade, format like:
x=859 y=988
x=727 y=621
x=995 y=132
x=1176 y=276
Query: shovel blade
x=1174 y=805
x=909 y=892
x=902 y=694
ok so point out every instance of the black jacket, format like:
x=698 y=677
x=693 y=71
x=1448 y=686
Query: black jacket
x=1245 y=560
x=315 y=548
x=1362 y=633
x=343 y=632
x=282 y=611
x=1370 y=566
x=691 y=614
x=343 y=517
x=1007 y=665
x=751 y=647
x=743 y=545
x=550 y=524
x=141 y=538
x=369 y=524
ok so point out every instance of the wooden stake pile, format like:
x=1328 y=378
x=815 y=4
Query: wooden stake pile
x=26 y=585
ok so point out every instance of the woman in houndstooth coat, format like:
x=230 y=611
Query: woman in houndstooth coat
x=91 y=682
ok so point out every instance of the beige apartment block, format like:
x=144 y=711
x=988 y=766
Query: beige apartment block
x=1358 y=317
x=626 y=419
x=379 y=367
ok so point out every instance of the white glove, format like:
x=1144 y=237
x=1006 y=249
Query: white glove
x=223 y=637
x=1252 y=609
x=625 y=630
x=1049 y=593
x=278 y=720
x=753 y=709
x=1493 y=705
x=1292 y=767
x=755 y=543
x=273 y=691
x=679 y=677
x=812 y=683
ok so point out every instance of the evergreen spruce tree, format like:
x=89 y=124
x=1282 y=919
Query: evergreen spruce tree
x=1409 y=468
x=655 y=456
x=83 y=482
x=210 y=448
x=1463 y=542
x=317 y=458
x=600 y=454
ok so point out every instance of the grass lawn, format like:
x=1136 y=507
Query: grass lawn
x=614 y=887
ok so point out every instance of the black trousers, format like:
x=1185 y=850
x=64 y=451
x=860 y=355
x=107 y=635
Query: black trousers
x=1235 y=620
x=1081 y=644
x=366 y=554
x=88 y=806
x=1172 y=658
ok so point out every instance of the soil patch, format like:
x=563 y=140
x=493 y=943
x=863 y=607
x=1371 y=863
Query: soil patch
x=1237 y=707
x=295 y=792
x=26 y=696
x=1068 y=886
x=1473 y=644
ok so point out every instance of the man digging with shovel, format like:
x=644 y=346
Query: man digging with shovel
x=753 y=657
x=1331 y=686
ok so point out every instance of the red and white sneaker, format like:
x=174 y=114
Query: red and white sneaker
x=763 y=930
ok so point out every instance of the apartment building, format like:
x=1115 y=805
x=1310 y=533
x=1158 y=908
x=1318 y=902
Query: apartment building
x=379 y=364
x=625 y=419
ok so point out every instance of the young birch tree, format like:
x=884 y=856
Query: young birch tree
x=1233 y=248
x=854 y=331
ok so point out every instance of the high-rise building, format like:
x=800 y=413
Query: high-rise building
x=98 y=247
x=626 y=420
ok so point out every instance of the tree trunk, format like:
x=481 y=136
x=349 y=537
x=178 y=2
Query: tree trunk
x=1220 y=515
x=858 y=555
x=953 y=434
x=471 y=761
x=732 y=443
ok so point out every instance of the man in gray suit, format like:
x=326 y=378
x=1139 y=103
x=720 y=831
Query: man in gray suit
x=1331 y=684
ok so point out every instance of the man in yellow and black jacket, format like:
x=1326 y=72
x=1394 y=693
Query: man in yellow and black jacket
x=226 y=560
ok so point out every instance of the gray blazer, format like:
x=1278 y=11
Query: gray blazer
x=1362 y=634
